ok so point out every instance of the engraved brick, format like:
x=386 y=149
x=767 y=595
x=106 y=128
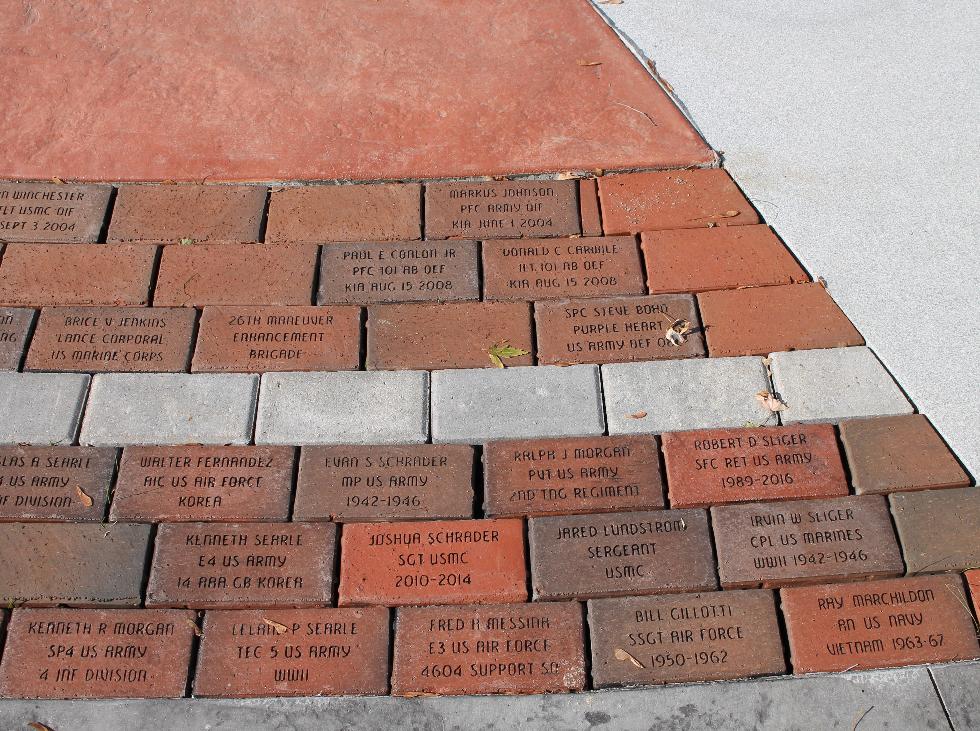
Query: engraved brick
x=458 y=335
x=15 y=326
x=319 y=213
x=501 y=209
x=202 y=483
x=761 y=320
x=588 y=204
x=263 y=339
x=598 y=266
x=97 y=653
x=615 y=330
x=891 y=453
x=401 y=271
x=235 y=274
x=367 y=483
x=232 y=565
x=805 y=542
x=52 y=212
x=564 y=476
x=684 y=638
x=722 y=257
x=198 y=212
x=55 y=483
x=878 y=624
x=672 y=199
x=501 y=648
x=112 y=339
x=444 y=562
x=307 y=652
x=659 y=552
x=939 y=529
x=716 y=466
x=78 y=564
x=38 y=275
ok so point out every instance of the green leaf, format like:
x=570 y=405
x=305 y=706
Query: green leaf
x=186 y=241
x=499 y=351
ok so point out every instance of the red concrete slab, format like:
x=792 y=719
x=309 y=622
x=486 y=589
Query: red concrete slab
x=313 y=90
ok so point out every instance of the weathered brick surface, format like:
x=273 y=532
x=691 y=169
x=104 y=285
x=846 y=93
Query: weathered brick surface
x=877 y=624
x=615 y=329
x=722 y=257
x=283 y=652
x=444 y=562
x=198 y=212
x=804 y=541
x=761 y=320
x=715 y=466
x=672 y=199
x=323 y=213
x=581 y=556
x=683 y=638
x=367 y=483
x=78 y=564
x=38 y=275
x=459 y=335
x=891 y=453
x=55 y=483
x=562 y=476
x=517 y=269
x=97 y=653
x=41 y=408
x=15 y=325
x=502 y=648
x=201 y=483
x=973 y=581
x=52 y=211
x=588 y=204
x=939 y=529
x=261 y=339
x=400 y=271
x=501 y=209
x=112 y=339
x=233 y=565
x=235 y=274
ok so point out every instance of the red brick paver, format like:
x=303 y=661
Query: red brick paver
x=973 y=581
x=55 y=483
x=52 y=212
x=15 y=326
x=588 y=203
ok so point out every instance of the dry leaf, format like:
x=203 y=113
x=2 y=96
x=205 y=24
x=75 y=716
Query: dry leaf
x=639 y=415
x=279 y=628
x=58 y=180
x=193 y=625
x=418 y=694
x=677 y=332
x=771 y=401
x=186 y=241
x=566 y=176
x=589 y=63
x=500 y=351
x=822 y=282
x=38 y=726
x=83 y=496
x=729 y=214
x=621 y=654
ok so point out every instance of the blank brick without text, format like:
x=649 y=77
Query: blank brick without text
x=939 y=529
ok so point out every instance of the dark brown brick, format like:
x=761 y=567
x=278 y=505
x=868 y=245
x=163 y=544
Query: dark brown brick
x=441 y=562
x=804 y=542
x=501 y=209
x=501 y=648
x=97 y=653
x=582 y=556
x=588 y=204
x=891 y=453
x=598 y=266
x=55 y=483
x=263 y=339
x=368 y=483
x=878 y=624
x=717 y=466
x=187 y=211
x=579 y=475
x=78 y=564
x=939 y=529
x=684 y=638
x=15 y=325
x=52 y=212
x=615 y=330
x=435 y=336
x=235 y=565
x=284 y=652
x=203 y=483
x=112 y=339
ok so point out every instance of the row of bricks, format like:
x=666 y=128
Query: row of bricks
x=497 y=648
x=519 y=478
x=422 y=336
x=463 y=406
x=240 y=565
x=375 y=212
x=197 y=274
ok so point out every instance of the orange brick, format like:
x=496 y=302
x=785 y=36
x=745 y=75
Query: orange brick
x=973 y=581
x=764 y=320
x=588 y=205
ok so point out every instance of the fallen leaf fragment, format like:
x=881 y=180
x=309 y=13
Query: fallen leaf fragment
x=771 y=401
x=589 y=63
x=639 y=415
x=58 y=180
x=566 y=176
x=677 y=332
x=500 y=351
x=193 y=625
x=822 y=282
x=83 y=496
x=186 y=241
x=621 y=654
x=279 y=628
x=38 y=726
x=610 y=2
